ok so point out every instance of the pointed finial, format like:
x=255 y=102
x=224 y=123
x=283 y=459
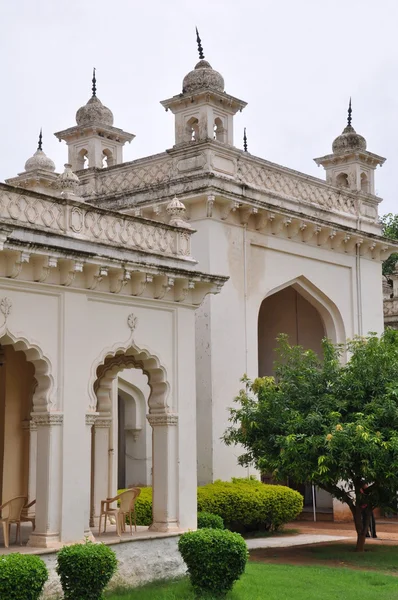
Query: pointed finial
x=199 y=41
x=40 y=144
x=94 y=81
x=244 y=140
x=349 y=119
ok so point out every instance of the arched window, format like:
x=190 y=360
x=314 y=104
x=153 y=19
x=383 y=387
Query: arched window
x=364 y=183
x=82 y=160
x=192 y=130
x=342 y=180
x=107 y=158
x=219 y=130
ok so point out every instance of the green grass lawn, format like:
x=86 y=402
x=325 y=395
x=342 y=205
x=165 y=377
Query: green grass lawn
x=380 y=558
x=283 y=582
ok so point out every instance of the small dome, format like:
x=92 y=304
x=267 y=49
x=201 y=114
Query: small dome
x=203 y=77
x=94 y=112
x=68 y=180
x=348 y=141
x=39 y=161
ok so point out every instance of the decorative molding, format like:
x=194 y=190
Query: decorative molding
x=132 y=321
x=161 y=420
x=5 y=308
x=91 y=419
x=102 y=422
x=47 y=419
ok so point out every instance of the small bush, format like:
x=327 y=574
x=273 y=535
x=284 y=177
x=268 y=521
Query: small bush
x=209 y=521
x=85 y=570
x=22 y=577
x=215 y=560
x=250 y=505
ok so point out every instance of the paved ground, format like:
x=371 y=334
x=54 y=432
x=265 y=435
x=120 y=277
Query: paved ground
x=292 y=540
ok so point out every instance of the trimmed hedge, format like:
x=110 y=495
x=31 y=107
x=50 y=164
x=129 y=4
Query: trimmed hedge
x=209 y=521
x=22 y=576
x=243 y=504
x=85 y=570
x=215 y=559
x=250 y=505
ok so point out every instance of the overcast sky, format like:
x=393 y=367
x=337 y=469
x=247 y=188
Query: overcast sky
x=295 y=62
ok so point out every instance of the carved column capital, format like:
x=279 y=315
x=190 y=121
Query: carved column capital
x=47 y=419
x=162 y=419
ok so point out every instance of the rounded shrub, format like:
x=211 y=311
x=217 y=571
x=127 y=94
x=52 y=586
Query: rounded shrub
x=209 y=521
x=85 y=570
x=249 y=505
x=215 y=560
x=22 y=576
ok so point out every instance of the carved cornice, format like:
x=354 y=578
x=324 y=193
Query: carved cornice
x=91 y=419
x=162 y=420
x=47 y=419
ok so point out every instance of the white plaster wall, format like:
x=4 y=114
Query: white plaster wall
x=139 y=562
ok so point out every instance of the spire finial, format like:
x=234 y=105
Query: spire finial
x=244 y=140
x=40 y=144
x=349 y=119
x=199 y=41
x=94 y=87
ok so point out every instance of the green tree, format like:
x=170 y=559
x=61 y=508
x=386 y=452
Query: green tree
x=325 y=422
x=390 y=230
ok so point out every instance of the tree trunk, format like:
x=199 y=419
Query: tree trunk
x=360 y=527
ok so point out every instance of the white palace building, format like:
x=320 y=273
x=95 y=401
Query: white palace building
x=135 y=295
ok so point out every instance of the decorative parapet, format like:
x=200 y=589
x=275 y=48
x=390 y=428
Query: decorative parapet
x=83 y=222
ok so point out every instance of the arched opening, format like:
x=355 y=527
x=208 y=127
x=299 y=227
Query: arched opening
x=342 y=180
x=192 y=130
x=107 y=158
x=219 y=130
x=364 y=183
x=82 y=160
x=126 y=449
x=291 y=312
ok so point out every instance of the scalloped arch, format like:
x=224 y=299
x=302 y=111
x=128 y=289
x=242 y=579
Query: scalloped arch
x=121 y=357
x=42 y=401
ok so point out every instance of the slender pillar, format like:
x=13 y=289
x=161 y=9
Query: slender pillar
x=32 y=465
x=90 y=420
x=48 y=480
x=101 y=461
x=165 y=472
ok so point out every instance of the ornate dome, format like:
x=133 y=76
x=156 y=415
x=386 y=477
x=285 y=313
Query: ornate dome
x=203 y=77
x=348 y=141
x=68 y=181
x=39 y=161
x=94 y=112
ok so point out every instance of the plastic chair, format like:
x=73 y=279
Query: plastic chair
x=25 y=517
x=14 y=508
x=126 y=507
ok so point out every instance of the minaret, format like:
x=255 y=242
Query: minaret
x=94 y=142
x=203 y=111
x=351 y=166
x=39 y=174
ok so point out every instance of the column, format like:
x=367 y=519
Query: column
x=88 y=513
x=101 y=462
x=32 y=466
x=48 y=480
x=165 y=472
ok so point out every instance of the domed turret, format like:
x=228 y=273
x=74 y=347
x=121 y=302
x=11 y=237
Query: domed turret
x=94 y=111
x=39 y=161
x=349 y=140
x=203 y=77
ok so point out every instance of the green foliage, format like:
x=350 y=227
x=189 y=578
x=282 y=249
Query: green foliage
x=22 y=576
x=248 y=505
x=209 y=521
x=390 y=230
x=215 y=560
x=85 y=570
x=325 y=422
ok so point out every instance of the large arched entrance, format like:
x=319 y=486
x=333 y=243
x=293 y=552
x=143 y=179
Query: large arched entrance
x=305 y=318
